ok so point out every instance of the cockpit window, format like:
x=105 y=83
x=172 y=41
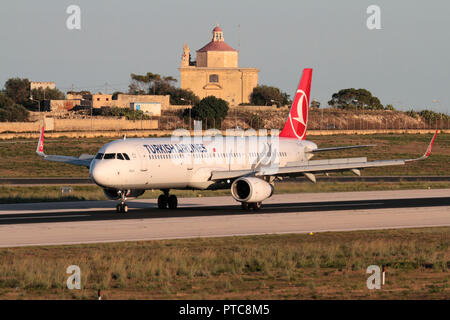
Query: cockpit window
x=99 y=156
x=109 y=156
x=126 y=156
x=120 y=156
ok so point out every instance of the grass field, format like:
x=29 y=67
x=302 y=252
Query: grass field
x=294 y=266
x=11 y=194
x=18 y=158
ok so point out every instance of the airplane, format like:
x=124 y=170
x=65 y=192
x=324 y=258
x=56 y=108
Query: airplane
x=247 y=165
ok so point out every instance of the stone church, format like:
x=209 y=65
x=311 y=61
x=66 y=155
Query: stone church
x=216 y=72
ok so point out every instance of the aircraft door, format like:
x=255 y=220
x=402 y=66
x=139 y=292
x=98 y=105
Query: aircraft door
x=143 y=158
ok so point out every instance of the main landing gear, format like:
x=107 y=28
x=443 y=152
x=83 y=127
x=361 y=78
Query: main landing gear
x=165 y=200
x=122 y=207
x=251 y=205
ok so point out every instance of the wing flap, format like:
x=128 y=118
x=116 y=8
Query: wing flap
x=340 y=148
x=319 y=168
x=232 y=174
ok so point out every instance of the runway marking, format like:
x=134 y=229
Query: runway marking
x=335 y=205
x=45 y=217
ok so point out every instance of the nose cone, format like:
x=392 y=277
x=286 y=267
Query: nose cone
x=99 y=174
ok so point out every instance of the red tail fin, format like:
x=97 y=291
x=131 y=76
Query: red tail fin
x=40 y=146
x=295 y=126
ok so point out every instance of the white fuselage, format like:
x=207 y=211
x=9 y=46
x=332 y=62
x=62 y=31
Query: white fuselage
x=187 y=163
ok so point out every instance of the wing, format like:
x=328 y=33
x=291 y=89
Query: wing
x=340 y=148
x=84 y=160
x=309 y=168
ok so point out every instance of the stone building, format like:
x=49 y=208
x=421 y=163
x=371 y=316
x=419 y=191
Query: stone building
x=216 y=72
x=124 y=100
x=42 y=85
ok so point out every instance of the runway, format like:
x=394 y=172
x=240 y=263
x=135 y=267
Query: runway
x=88 y=181
x=60 y=223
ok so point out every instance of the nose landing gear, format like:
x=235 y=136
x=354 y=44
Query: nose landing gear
x=122 y=207
x=165 y=200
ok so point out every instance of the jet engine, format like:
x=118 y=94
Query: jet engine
x=114 y=194
x=251 y=189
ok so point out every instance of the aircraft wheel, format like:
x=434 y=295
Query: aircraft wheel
x=245 y=205
x=122 y=208
x=162 y=202
x=173 y=201
x=255 y=206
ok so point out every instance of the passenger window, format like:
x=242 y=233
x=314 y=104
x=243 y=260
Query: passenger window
x=120 y=156
x=126 y=156
x=99 y=156
x=109 y=156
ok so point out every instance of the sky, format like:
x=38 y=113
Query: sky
x=405 y=63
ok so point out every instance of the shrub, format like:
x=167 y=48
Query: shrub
x=210 y=110
x=11 y=111
x=264 y=95
x=121 y=112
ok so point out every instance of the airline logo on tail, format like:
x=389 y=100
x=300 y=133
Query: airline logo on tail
x=295 y=126
x=40 y=147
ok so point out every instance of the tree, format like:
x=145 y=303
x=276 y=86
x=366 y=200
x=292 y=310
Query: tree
x=18 y=90
x=152 y=83
x=139 y=84
x=82 y=92
x=180 y=96
x=148 y=83
x=355 y=99
x=11 y=111
x=266 y=95
x=315 y=104
x=47 y=94
x=210 y=110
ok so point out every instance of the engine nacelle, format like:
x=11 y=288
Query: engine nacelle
x=114 y=194
x=251 y=189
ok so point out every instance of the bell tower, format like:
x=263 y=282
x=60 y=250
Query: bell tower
x=217 y=34
x=185 y=56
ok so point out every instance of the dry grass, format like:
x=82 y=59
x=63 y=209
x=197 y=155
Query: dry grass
x=326 y=265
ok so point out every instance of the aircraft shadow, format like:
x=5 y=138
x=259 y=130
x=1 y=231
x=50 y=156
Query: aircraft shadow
x=78 y=215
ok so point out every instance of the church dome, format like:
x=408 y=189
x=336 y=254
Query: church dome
x=216 y=46
x=217 y=43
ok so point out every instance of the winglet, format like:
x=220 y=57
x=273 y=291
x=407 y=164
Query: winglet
x=428 y=152
x=40 y=146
